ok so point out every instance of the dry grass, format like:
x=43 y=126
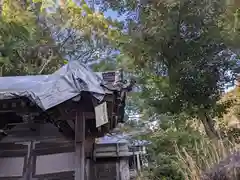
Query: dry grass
x=208 y=160
x=208 y=155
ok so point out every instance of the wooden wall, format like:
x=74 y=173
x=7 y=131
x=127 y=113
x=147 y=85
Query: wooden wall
x=111 y=169
x=48 y=155
x=42 y=155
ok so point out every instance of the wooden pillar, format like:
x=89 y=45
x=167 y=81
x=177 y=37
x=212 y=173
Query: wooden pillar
x=89 y=147
x=79 y=146
x=134 y=160
x=88 y=164
x=138 y=162
x=118 y=170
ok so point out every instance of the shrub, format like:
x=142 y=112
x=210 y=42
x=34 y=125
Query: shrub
x=214 y=160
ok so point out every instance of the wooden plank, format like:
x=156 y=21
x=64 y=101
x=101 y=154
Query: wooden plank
x=28 y=172
x=71 y=115
x=18 y=105
x=109 y=77
x=124 y=170
x=88 y=164
x=79 y=146
x=101 y=114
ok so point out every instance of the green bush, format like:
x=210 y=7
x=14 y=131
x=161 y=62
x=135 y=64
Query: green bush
x=162 y=153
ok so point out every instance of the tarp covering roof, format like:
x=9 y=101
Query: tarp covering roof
x=121 y=138
x=48 y=91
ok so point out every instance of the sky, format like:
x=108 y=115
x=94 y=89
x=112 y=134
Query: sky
x=113 y=15
x=108 y=13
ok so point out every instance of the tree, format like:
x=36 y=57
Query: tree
x=39 y=40
x=83 y=34
x=24 y=42
x=181 y=57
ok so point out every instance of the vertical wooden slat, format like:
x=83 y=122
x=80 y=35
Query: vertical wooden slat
x=138 y=163
x=88 y=169
x=79 y=146
x=118 y=170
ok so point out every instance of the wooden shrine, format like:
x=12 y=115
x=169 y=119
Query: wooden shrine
x=111 y=162
x=56 y=142
x=118 y=156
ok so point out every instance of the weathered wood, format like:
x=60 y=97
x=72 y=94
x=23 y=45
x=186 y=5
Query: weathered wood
x=109 y=76
x=111 y=161
x=138 y=163
x=124 y=169
x=105 y=171
x=47 y=153
x=30 y=161
x=88 y=164
x=18 y=105
x=79 y=146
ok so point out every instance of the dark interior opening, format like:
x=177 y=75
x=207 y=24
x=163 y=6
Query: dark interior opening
x=6 y=119
x=9 y=117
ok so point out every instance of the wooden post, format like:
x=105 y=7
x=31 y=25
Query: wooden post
x=79 y=146
x=88 y=169
x=138 y=163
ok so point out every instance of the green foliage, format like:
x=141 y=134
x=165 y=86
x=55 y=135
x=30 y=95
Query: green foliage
x=229 y=24
x=182 y=152
x=107 y=64
x=22 y=40
x=35 y=40
x=179 y=54
x=171 y=47
x=162 y=151
x=230 y=122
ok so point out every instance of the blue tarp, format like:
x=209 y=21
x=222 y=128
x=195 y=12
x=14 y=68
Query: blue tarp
x=48 y=91
x=120 y=138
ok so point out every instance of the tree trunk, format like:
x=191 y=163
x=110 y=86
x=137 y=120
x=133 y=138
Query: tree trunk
x=208 y=124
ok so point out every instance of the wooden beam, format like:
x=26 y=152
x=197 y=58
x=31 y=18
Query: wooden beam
x=79 y=146
x=71 y=115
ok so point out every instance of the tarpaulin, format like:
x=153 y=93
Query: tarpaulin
x=48 y=91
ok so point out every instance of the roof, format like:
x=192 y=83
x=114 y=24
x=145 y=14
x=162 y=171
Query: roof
x=119 y=139
x=112 y=140
x=48 y=91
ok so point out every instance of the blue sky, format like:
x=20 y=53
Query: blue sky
x=113 y=15
x=108 y=13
